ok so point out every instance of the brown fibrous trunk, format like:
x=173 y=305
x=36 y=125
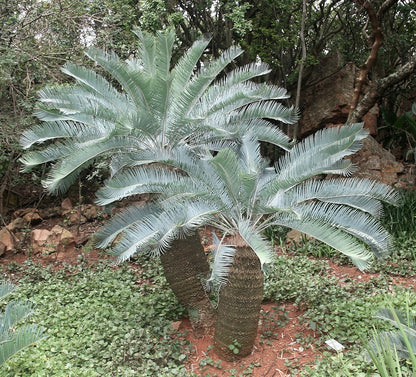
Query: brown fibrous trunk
x=239 y=306
x=185 y=266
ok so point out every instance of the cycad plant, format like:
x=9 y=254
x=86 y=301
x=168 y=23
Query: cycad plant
x=151 y=108
x=207 y=129
x=387 y=348
x=152 y=111
x=239 y=195
x=12 y=339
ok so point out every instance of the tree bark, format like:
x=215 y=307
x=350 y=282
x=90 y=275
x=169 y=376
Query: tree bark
x=184 y=266
x=378 y=88
x=376 y=39
x=302 y=64
x=239 y=306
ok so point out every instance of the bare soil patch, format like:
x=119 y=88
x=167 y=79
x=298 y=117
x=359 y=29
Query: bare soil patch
x=270 y=354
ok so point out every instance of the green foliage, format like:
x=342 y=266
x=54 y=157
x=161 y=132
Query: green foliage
x=401 y=130
x=276 y=234
x=400 y=220
x=402 y=261
x=234 y=347
x=104 y=321
x=401 y=223
x=11 y=149
x=384 y=356
x=287 y=278
x=101 y=321
x=153 y=15
x=387 y=349
x=274 y=36
x=110 y=24
x=35 y=39
x=14 y=338
x=236 y=13
x=314 y=248
x=341 y=310
x=403 y=337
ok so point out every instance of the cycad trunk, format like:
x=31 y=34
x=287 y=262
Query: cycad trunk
x=184 y=266
x=239 y=305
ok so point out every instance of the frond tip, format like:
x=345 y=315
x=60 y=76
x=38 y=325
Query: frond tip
x=13 y=340
x=223 y=258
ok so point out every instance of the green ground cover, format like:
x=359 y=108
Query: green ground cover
x=106 y=321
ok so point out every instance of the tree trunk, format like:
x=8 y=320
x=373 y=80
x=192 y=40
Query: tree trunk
x=239 y=306
x=378 y=88
x=360 y=106
x=296 y=130
x=184 y=266
x=377 y=39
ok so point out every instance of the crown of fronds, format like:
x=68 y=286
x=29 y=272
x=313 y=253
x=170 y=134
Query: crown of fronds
x=237 y=192
x=158 y=107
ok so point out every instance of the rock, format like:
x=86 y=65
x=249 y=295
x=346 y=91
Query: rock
x=74 y=217
x=90 y=211
x=2 y=249
x=68 y=212
x=176 y=325
x=326 y=103
x=47 y=213
x=375 y=162
x=407 y=178
x=57 y=239
x=7 y=241
x=66 y=205
x=29 y=215
x=70 y=217
x=18 y=223
x=370 y=120
x=32 y=217
x=83 y=239
x=327 y=100
x=64 y=239
x=294 y=236
x=39 y=241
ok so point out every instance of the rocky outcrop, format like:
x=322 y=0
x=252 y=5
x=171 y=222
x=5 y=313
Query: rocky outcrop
x=326 y=100
x=326 y=103
x=375 y=162
x=79 y=214
x=43 y=239
x=58 y=239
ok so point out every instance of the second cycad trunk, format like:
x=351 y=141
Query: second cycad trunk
x=185 y=265
x=239 y=305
